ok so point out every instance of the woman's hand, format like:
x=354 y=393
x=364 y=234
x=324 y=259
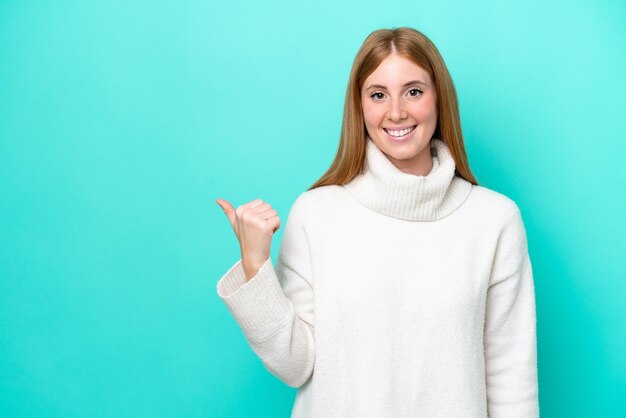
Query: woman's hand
x=254 y=224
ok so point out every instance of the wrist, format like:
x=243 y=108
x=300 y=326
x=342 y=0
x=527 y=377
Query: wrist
x=250 y=268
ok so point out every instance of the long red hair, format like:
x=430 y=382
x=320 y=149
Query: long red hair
x=411 y=44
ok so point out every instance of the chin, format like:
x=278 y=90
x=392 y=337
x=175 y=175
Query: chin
x=400 y=155
x=402 y=150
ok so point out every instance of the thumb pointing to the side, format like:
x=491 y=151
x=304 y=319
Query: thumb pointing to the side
x=228 y=210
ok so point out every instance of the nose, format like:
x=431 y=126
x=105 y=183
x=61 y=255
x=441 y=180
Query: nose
x=396 y=110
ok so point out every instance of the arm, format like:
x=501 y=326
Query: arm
x=274 y=309
x=510 y=327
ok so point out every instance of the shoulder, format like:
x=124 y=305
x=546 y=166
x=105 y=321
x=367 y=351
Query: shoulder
x=494 y=205
x=505 y=216
x=312 y=202
x=495 y=212
x=316 y=207
x=315 y=198
x=499 y=219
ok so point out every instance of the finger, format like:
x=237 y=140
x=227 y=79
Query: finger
x=275 y=223
x=262 y=207
x=247 y=206
x=228 y=210
x=269 y=213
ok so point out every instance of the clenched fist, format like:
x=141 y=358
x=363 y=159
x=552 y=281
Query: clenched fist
x=254 y=224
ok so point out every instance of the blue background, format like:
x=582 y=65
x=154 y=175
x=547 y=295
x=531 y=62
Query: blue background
x=121 y=122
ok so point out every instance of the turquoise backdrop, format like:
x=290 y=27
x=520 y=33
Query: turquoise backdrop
x=121 y=122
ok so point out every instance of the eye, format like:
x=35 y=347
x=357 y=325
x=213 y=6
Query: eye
x=375 y=95
x=415 y=90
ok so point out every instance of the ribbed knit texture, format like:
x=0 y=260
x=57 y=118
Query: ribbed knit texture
x=387 y=190
x=397 y=296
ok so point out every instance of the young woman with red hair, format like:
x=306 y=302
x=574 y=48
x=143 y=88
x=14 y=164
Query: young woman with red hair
x=402 y=287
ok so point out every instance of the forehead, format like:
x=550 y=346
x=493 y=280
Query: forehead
x=395 y=71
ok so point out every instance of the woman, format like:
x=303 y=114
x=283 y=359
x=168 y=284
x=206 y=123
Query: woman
x=402 y=287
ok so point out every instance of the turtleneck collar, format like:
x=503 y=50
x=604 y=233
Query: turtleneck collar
x=386 y=189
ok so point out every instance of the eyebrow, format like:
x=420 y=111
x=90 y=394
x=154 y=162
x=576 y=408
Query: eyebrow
x=378 y=86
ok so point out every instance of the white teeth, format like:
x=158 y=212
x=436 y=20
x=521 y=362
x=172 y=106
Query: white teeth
x=400 y=133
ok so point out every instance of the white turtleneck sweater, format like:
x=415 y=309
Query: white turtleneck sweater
x=397 y=295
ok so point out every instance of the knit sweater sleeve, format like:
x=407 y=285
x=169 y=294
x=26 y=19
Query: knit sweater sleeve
x=510 y=327
x=274 y=309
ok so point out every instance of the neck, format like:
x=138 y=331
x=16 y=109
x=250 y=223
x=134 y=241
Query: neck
x=420 y=165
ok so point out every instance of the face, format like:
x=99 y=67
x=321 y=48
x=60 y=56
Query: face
x=400 y=110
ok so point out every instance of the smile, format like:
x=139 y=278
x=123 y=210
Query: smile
x=400 y=133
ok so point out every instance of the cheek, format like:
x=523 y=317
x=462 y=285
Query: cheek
x=371 y=114
x=425 y=110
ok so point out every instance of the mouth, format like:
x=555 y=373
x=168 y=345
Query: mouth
x=400 y=133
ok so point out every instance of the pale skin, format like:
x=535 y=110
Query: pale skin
x=254 y=224
x=398 y=94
